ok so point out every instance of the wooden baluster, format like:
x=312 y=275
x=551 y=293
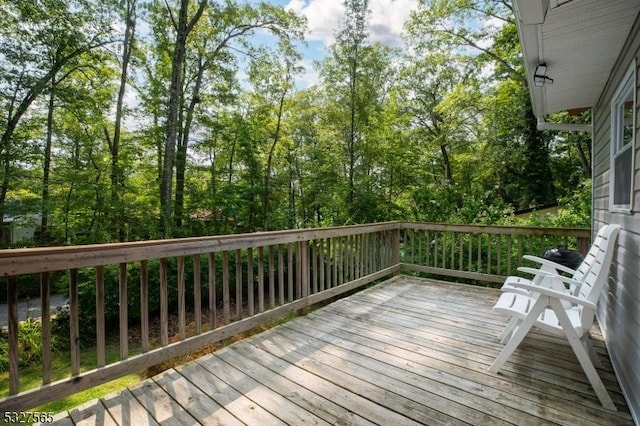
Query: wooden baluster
x=334 y=261
x=124 y=314
x=280 y=275
x=314 y=268
x=144 y=304
x=100 y=317
x=225 y=288
x=212 y=291
x=250 y=288
x=428 y=249
x=45 y=320
x=299 y=271
x=499 y=255
x=260 y=279
x=303 y=259
x=350 y=256
x=182 y=316
x=239 y=301
x=322 y=266
x=479 y=258
x=164 y=303
x=461 y=251
x=435 y=249
x=445 y=258
x=452 y=255
x=509 y=254
x=74 y=318
x=489 y=253
x=290 y=272
x=197 y=294
x=13 y=322
x=272 y=285
x=470 y=253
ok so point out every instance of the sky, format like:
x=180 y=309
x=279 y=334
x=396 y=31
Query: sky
x=324 y=17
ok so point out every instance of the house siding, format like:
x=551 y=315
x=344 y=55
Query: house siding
x=619 y=309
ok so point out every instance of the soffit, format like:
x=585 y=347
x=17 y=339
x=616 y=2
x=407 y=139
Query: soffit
x=579 y=40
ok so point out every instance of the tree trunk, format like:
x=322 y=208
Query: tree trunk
x=267 y=174
x=117 y=178
x=181 y=154
x=183 y=27
x=46 y=168
x=448 y=177
x=585 y=161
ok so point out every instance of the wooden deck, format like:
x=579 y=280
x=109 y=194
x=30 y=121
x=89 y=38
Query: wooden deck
x=407 y=351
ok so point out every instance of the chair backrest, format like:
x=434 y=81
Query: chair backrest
x=596 y=276
x=595 y=250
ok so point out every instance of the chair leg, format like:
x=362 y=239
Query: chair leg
x=513 y=322
x=519 y=334
x=583 y=356
x=586 y=342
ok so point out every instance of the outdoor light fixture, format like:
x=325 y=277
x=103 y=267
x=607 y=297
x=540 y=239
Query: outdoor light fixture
x=540 y=76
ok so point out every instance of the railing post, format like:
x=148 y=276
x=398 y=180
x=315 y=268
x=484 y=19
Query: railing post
x=583 y=245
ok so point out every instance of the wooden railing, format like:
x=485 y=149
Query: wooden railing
x=480 y=253
x=235 y=283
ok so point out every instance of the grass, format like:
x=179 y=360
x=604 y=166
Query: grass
x=31 y=377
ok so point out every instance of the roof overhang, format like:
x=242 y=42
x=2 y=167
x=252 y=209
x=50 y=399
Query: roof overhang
x=579 y=41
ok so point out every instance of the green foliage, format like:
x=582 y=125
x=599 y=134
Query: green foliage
x=443 y=132
x=574 y=211
x=30 y=343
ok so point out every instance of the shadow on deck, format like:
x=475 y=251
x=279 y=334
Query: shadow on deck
x=407 y=351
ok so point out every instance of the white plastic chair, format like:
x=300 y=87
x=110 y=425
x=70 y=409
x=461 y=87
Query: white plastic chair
x=544 y=276
x=543 y=307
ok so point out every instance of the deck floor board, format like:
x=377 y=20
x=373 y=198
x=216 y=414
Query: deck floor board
x=405 y=352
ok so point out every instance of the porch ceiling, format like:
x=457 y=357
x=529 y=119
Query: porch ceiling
x=579 y=40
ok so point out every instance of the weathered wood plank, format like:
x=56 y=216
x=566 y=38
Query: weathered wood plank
x=92 y=413
x=270 y=370
x=160 y=405
x=125 y=409
x=243 y=408
x=194 y=400
x=271 y=401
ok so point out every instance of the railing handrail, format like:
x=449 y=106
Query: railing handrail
x=498 y=229
x=47 y=259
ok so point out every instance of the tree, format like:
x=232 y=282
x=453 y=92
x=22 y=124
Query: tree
x=129 y=16
x=37 y=41
x=227 y=24
x=182 y=26
x=484 y=32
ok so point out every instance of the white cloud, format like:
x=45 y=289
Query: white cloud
x=325 y=16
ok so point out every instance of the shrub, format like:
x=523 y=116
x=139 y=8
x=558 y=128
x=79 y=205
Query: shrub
x=30 y=343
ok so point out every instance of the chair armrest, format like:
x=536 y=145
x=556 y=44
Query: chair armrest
x=549 y=263
x=555 y=294
x=535 y=271
x=573 y=284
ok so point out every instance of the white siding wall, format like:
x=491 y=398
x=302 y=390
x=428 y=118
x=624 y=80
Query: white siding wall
x=619 y=312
